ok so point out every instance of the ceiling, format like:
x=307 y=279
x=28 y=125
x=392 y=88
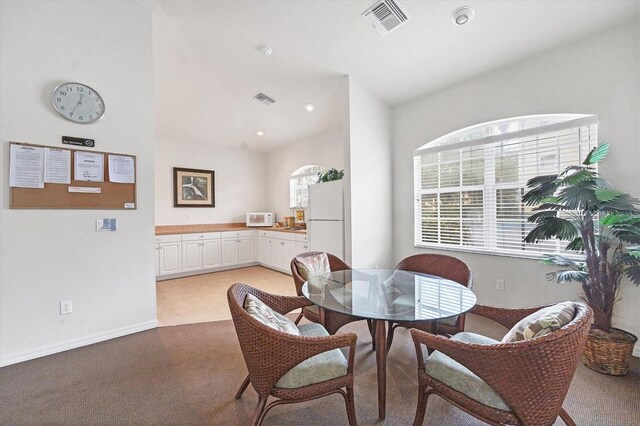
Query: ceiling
x=207 y=65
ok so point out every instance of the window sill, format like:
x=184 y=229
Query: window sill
x=532 y=256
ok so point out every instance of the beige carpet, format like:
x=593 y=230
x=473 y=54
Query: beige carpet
x=202 y=298
x=188 y=374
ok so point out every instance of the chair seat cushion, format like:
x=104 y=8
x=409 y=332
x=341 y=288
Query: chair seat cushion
x=455 y=375
x=267 y=316
x=311 y=266
x=541 y=322
x=319 y=368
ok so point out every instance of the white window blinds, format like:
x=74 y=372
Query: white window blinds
x=299 y=185
x=469 y=184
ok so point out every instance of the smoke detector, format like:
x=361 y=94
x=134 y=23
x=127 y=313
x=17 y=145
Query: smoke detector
x=385 y=16
x=264 y=99
x=462 y=15
x=266 y=50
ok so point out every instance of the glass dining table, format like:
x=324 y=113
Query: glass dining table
x=388 y=295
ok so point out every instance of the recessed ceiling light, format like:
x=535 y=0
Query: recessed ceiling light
x=260 y=133
x=462 y=15
x=266 y=50
x=309 y=107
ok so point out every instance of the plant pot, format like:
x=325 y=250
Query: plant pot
x=609 y=353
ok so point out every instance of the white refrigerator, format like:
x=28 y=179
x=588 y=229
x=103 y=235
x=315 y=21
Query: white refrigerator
x=325 y=218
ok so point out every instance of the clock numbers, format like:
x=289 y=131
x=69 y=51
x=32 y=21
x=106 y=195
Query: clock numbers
x=77 y=102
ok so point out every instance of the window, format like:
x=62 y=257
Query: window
x=299 y=185
x=469 y=184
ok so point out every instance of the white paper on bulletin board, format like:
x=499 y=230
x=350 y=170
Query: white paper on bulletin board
x=89 y=166
x=26 y=166
x=121 y=169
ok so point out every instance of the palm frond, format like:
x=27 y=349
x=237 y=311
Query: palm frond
x=552 y=227
x=540 y=188
x=578 y=176
x=563 y=261
x=578 y=197
x=564 y=276
x=608 y=194
x=597 y=154
x=575 y=245
x=541 y=215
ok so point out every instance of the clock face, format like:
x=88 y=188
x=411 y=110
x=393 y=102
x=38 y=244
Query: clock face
x=78 y=102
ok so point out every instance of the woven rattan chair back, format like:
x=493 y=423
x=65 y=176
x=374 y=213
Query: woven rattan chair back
x=335 y=264
x=532 y=376
x=440 y=265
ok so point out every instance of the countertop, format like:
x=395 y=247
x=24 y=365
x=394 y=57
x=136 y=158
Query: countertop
x=218 y=227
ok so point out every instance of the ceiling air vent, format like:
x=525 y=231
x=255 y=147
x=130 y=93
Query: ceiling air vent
x=264 y=99
x=385 y=16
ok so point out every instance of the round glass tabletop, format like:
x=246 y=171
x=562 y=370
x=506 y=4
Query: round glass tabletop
x=389 y=294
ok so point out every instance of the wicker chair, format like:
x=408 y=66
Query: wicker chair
x=270 y=354
x=531 y=376
x=333 y=320
x=443 y=266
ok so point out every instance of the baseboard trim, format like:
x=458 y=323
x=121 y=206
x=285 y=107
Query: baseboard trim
x=205 y=271
x=76 y=343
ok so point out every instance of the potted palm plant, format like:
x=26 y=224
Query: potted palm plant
x=603 y=224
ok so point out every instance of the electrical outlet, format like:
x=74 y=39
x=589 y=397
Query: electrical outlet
x=66 y=307
x=500 y=285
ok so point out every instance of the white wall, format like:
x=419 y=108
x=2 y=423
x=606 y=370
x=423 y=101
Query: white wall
x=368 y=179
x=599 y=75
x=323 y=150
x=47 y=256
x=240 y=181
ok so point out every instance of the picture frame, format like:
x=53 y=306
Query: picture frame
x=193 y=187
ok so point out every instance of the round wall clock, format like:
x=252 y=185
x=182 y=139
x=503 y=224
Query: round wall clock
x=78 y=102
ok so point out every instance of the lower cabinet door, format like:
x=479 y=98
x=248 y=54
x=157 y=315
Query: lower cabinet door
x=192 y=255
x=245 y=250
x=301 y=248
x=229 y=252
x=170 y=258
x=211 y=255
x=264 y=251
x=289 y=254
x=277 y=254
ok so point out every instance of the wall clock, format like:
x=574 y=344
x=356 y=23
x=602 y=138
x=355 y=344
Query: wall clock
x=78 y=102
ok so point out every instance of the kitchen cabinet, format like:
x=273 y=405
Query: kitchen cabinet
x=193 y=253
x=168 y=254
x=200 y=251
x=277 y=249
x=237 y=247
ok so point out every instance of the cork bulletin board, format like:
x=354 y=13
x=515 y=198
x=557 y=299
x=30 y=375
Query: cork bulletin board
x=57 y=196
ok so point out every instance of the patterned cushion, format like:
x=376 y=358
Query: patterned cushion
x=455 y=375
x=541 y=322
x=310 y=266
x=325 y=366
x=267 y=316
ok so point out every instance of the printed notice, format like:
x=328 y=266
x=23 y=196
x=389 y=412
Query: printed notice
x=89 y=167
x=26 y=167
x=57 y=165
x=121 y=169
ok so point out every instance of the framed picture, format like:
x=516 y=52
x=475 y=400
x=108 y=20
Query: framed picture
x=193 y=188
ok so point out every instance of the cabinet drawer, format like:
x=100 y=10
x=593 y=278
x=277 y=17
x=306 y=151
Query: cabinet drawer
x=286 y=236
x=301 y=238
x=175 y=238
x=201 y=236
x=234 y=234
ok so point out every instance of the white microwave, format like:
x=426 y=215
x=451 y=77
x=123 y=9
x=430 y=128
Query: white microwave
x=260 y=219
